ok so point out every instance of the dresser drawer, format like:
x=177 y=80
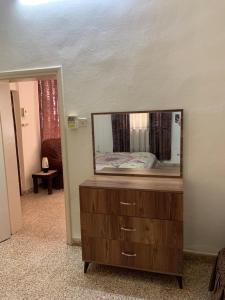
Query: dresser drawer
x=141 y=230
x=133 y=255
x=146 y=204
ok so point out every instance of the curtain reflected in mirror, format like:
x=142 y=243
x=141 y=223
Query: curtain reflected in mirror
x=138 y=143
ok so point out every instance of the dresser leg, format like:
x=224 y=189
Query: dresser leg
x=180 y=281
x=86 y=264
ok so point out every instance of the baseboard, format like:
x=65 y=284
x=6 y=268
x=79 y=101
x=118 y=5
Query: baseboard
x=26 y=192
x=199 y=253
x=76 y=242
x=203 y=256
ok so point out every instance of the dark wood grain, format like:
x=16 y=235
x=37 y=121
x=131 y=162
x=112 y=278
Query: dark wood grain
x=46 y=177
x=140 y=230
x=133 y=255
x=134 y=223
x=139 y=183
x=152 y=205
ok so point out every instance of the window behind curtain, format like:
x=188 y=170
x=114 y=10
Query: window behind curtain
x=139 y=121
x=139 y=132
x=49 y=111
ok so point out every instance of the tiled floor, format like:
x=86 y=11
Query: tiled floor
x=36 y=263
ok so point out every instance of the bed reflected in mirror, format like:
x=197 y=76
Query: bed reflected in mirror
x=138 y=143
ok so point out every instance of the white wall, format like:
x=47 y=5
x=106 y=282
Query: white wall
x=175 y=141
x=136 y=55
x=31 y=140
x=176 y=132
x=103 y=133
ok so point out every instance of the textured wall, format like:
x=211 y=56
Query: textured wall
x=134 y=55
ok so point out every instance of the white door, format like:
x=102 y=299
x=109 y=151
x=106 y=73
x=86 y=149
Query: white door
x=4 y=205
x=10 y=159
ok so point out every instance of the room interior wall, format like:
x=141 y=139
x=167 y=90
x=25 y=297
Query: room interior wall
x=103 y=133
x=175 y=141
x=135 y=55
x=175 y=144
x=30 y=131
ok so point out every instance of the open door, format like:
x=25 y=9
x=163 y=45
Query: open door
x=18 y=138
x=10 y=175
x=4 y=205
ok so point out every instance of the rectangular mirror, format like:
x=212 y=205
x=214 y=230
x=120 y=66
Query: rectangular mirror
x=145 y=143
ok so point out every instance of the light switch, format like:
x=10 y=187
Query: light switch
x=83 y=122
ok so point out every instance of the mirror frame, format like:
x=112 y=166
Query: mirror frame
x=130 y=112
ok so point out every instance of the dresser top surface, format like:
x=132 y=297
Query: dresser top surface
x=136 y=183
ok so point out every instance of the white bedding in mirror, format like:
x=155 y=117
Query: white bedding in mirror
x=137 y=160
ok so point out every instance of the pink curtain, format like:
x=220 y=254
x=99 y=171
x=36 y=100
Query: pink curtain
x=49 y=111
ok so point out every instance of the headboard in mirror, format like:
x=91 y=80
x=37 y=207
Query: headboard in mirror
x=143 y=143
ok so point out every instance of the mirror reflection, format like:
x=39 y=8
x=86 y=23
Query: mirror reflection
x=139 y=143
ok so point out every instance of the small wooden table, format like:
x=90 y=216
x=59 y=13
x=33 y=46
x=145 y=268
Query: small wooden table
x=46 y=176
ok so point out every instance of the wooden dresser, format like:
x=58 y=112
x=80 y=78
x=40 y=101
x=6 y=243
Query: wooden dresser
x=133 y=222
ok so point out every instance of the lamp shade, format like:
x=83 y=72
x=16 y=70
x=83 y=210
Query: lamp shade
x=45 y=164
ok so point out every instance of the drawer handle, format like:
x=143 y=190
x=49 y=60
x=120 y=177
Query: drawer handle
x=128 y=254
x=127 y=203
x=127 y=229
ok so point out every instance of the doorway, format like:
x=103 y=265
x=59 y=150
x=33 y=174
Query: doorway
x=29 y=147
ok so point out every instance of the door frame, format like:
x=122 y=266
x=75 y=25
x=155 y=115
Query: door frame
x=45 y=72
